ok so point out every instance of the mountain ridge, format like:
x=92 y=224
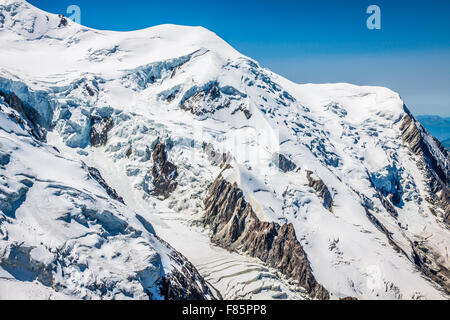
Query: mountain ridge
x=112 y=102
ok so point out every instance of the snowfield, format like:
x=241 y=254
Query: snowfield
x=162 y=113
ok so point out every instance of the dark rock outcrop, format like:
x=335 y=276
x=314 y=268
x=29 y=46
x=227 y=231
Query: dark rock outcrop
x=26 y=115
x=236 y=227
x=211 y=98
x=283 y=163
x=216 y=158
x=63 y=21
x=95 y=174
x=387 y=204
x=384 y=230
x=413 y=136
x=164 y=173
x=209 y=95
x=89 y=90
x=435 y=170
x=244 y=110
x=99 y=130
x=322 y=190
x=428 y=263
x=186 y=283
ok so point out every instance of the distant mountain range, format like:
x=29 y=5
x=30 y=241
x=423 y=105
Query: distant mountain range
x=438 y=127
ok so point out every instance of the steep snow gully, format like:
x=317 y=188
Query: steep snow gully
x=261 y=188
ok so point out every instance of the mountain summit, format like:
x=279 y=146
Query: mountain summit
x=260 y=187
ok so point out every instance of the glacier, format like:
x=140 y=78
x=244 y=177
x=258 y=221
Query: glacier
x=260 y=187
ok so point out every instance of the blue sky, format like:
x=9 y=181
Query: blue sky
x=312 y=40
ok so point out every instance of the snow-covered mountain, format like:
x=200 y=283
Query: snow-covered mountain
x=113 y=141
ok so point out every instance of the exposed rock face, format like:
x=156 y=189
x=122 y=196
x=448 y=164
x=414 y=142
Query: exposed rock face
x=384 y=230
x=95 y=174
x=216 y=158
x=322 y=190
x=212 y=98
x=203 y=96
x=63 y=22
x=429 y=263
x=425 y=258
x=89 y=90
x=179 y=284
x=387 y=205
x=99 y=130
x=164 y=173
x=436 y=170
x=184 y=284
x=26 y=114
x=283 y=163
x=244 y=110
x=236 y=227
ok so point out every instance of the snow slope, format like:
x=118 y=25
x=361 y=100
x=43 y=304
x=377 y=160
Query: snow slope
x=60 y=229
x=186 y=89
